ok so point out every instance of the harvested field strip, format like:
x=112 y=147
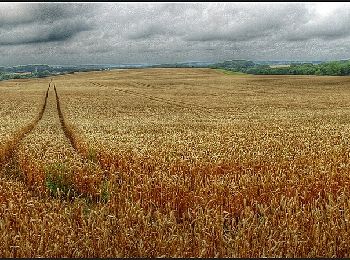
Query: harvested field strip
x=221 y=91
x=198 y=110
x=159 y=99
x=184 y=104
x=208 y=109
x=10 y=146
x=50 y=164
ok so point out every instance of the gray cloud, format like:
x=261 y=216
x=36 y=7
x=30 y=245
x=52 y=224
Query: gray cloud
x=40 y=34
x=171 y=32
x=247 y=23
x=147 y=31
x=42 y=23
x=325 y=28
x=24 y=13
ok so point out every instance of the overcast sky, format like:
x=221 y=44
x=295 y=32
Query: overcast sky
x=113 y=33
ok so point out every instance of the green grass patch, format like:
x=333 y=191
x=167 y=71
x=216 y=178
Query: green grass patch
x=105 y=192
x=58 y=180
x=92 y=155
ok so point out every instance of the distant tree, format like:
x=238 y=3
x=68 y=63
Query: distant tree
x=333 y=68
x=42 y=74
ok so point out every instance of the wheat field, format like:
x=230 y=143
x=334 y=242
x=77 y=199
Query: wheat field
x=175 y=163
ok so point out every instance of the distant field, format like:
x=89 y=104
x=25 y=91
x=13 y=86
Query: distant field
x=175 y=163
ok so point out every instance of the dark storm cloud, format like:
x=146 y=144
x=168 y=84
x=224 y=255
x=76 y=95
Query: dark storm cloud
x=41 y=23
x=21 y=13
x=41 y=34
x=172 y=32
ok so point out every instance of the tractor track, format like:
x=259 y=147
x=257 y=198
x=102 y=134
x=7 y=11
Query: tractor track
x=9 y=148
x=19 y=165
x=64 y=127
x=75 y=141
x=208 y=109
x=199 y=109
x=81 y=148
x=11 y=159
x=184 y=104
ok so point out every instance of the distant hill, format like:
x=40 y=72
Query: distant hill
x=192 y=64
x=334 y=68
x=43 y=70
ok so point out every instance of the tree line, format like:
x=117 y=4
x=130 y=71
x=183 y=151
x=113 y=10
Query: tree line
x=333 y=68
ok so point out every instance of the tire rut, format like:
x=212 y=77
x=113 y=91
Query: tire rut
x=7 y=161
x=199 y=109
x=76 y=142
x=81 y=148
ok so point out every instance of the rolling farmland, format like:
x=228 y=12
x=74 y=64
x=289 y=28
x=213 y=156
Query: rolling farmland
x=175 y=163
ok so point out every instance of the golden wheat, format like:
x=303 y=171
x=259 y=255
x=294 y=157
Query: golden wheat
x=183 y=163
